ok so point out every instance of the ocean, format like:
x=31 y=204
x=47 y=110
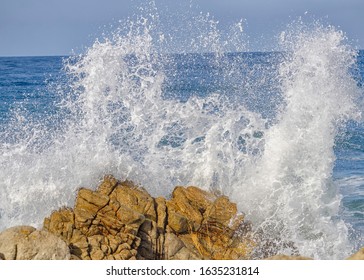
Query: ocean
x=281 y=133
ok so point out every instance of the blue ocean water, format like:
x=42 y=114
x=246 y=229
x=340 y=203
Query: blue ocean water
x=25 y=85
x=281 y=133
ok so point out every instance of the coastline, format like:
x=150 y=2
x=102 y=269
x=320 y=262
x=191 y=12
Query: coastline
x=121 y=221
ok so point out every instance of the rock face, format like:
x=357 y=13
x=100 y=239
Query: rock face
x=122 y=221
x=27 y=243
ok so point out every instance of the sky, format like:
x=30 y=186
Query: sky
x=54 y=27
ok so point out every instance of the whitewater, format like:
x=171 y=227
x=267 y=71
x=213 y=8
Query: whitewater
x=263 y=135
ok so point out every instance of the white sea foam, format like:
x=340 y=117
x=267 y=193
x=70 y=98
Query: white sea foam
x=277 y=169
x=292 y=181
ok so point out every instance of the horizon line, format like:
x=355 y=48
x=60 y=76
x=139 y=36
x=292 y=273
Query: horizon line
x=69 y=55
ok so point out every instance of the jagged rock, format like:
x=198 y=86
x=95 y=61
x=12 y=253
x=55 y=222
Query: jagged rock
x=221 y=211
x=61 y=222
x=358 y=255
x=135 y=198
x=186 y=207
x=122 y=221
x=108 y=185
x=216 y=228
x=101 y=226
x=27 y=243
x=179 y=247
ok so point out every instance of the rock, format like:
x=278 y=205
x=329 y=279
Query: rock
x=187 y=204
x=221 y=211
x=177 y=221
x=62 y=222
x=214 y=228
x=135 y=198
x=122 y=221
x=179 y=248
x=88 y=204
x=27 y=243
x=358 y=255
x=108 y=185
x=161 y=211
x=104 y=227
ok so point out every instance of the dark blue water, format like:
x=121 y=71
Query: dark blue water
x=24 y=81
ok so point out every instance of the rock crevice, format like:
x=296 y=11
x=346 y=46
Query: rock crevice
x=122 y=221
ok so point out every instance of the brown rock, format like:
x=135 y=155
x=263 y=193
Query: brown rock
x=178 y=248
x=135 y=198
x=161 y=210
x=78 y=245
x=207 y=225
x=221 y=211
x=178 y=222
x=88 y=203
x=27 y=243
x=98 y=227
x=186 y=203
x=61 y=222
x=198 y=198
x=122 y=221
x=107 y=218
x=108 y=185
x=130 y=218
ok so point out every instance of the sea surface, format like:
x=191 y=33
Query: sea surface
x=281 y=133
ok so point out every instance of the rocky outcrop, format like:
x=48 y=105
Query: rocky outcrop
x=27 y=243
x=122 y=221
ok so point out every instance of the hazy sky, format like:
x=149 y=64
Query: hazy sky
x=54 y=27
